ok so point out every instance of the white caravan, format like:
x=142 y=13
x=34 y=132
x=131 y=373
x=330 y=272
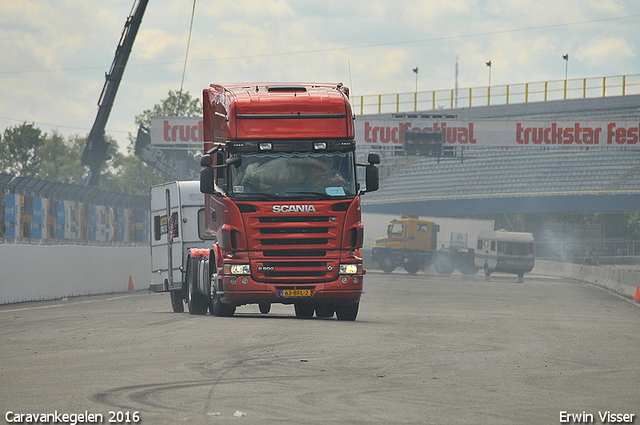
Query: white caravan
x=177 y=225
x=506 y=252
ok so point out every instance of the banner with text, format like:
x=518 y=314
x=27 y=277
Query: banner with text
x=390 y=132
x=181 y=131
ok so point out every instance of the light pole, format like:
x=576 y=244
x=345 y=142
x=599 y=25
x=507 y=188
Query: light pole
x=415 y=96
x=566 y=69
x=489 y=65
x=489 y=88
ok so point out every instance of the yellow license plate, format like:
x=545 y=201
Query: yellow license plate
x=295 y=293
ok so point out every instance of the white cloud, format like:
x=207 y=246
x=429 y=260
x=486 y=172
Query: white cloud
x=605 y=50
x=54 y=54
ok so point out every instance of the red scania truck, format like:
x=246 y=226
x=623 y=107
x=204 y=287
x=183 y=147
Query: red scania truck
x=282 y=200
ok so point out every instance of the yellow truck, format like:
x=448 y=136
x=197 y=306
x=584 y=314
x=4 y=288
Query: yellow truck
x=410 y=243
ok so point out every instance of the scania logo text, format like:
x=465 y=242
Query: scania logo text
x=293 y=208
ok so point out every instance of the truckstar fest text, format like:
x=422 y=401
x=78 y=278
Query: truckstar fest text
x=503 y=133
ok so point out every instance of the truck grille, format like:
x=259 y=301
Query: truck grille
x=307 y=271
x=300 y=247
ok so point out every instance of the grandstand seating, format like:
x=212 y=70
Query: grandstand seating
x=496 y=172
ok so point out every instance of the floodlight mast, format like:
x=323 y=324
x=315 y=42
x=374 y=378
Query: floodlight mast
x=95 y=152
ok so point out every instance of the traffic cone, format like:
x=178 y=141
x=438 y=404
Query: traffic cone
x=637 y=297
x=131 y=284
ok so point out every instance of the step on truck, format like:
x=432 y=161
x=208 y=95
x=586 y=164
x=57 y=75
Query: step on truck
x=281 y=200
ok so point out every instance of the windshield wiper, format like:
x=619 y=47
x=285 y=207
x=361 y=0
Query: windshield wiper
x=318 y=195
x=259 y=195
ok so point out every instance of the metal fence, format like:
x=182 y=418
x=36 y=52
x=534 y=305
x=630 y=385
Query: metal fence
x=34 y=211
x=590 y=251
x=579 y=88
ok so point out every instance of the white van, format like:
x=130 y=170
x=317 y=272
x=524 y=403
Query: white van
x=177 y=224
x=506 y=252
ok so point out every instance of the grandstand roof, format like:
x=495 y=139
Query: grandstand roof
x=537 y=179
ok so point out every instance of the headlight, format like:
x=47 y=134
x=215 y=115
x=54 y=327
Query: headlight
x=350 y=268
x=237 y=269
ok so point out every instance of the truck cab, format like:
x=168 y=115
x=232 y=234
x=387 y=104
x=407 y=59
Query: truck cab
x=282 y=200
x=410 y=243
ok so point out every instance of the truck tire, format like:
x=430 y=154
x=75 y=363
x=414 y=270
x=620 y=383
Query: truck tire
x=304 y=310
x=386 y=263
x=324 y=311
x=468 y=269
x=412 y=266
x=442 y=264
x=216 y=306
x=347 y=312
x=177 y=301
x=196 y=302
x=265 y=308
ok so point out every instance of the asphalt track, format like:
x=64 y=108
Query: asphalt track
x=425 y=349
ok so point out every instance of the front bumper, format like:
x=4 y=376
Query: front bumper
x=239 y=290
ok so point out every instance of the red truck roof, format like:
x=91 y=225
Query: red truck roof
x=276 y=111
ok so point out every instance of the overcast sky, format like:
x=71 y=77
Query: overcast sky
x=54 y=54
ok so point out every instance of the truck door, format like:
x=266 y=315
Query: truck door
x=420 y=239
x=397 y=235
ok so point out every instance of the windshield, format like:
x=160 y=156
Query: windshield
x=293 y=175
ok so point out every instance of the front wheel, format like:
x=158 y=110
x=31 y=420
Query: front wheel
x=386 y=263
x=412 y=266
x=304 y=310
x=265 y=308
x=347 y=312
x=324 y=311
x=196 y=302
x=177 y=303
x=217 y=307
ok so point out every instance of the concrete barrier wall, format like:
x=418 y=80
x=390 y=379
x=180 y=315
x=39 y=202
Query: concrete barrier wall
x=43 y=272
x=619 y=281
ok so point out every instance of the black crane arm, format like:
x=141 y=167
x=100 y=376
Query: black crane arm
x=95 y=152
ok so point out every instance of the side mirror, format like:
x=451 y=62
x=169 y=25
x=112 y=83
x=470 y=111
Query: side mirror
x=206 y=161
x=206 y=180
x=371 y=177
x=373 y=158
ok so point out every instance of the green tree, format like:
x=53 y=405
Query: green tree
x=18 y=150
x=633 y=223
x=129 y=174
x=60 y=159
x=175 y=105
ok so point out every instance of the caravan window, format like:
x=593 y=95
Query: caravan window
x=517 y=248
